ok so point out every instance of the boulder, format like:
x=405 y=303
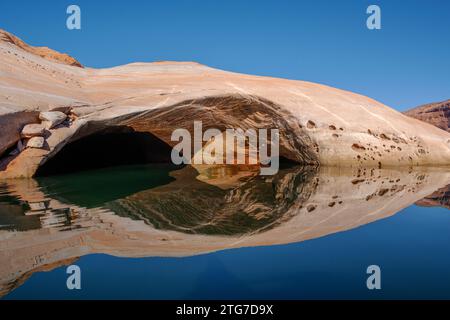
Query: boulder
x=35 y=142
x=33 y=130
x=51 y=119
x=437 y=114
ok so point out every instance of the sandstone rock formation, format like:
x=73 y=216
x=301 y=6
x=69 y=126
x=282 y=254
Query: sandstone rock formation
x=51 y=119
x=35 y=142
x=43 y=52
x=318 y=124
x=33 y=130
x=437 y=114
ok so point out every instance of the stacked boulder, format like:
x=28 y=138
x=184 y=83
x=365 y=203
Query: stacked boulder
x=33 y=134
x=51 y=119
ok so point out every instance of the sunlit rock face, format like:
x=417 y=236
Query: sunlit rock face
x=437 y=114
x=318 y=124
x=43 y=52
x=47 y=223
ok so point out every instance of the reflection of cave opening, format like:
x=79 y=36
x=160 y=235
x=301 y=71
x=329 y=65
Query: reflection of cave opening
x=113 y=146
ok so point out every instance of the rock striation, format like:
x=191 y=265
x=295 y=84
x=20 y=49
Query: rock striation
x=43 y=52
x=318 y=124
x=437 y=114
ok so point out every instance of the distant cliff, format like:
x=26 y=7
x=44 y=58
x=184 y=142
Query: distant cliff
x=437 y=114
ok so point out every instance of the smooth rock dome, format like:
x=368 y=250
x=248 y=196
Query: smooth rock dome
x=318 y=124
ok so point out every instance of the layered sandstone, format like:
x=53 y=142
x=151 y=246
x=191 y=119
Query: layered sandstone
x=318 y=124
x=43 y=52
x=437 y=114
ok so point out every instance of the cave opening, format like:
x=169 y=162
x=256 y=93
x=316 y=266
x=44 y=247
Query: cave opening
x=114 y=146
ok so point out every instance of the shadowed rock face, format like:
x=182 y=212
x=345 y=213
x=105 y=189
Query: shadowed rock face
x=115 y=145
x=11 y=125
x=318 y=124
x=44 y=226
x=437 y=114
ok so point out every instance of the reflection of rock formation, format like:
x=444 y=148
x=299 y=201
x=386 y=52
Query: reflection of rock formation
x=293 y=206
x=188 y=205
x=440 y=198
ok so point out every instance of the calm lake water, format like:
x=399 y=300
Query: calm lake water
x=159 y=232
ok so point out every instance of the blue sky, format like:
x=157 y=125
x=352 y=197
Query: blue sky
x=405 y=64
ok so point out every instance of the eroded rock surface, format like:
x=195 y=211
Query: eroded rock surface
x=35 y=142
x=437 y=114
x=33 y=130
x=43 y=52
x=318 y=124
x=51 y=119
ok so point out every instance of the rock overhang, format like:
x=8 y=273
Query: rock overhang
x=319 y=121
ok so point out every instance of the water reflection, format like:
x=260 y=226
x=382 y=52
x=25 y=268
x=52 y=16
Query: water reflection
x=143 y=211
x=222 y=202
x=440 y=198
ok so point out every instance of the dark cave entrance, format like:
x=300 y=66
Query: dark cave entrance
x=114 y=146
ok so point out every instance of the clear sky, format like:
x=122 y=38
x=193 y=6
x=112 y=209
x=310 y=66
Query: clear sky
x=405 y=64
